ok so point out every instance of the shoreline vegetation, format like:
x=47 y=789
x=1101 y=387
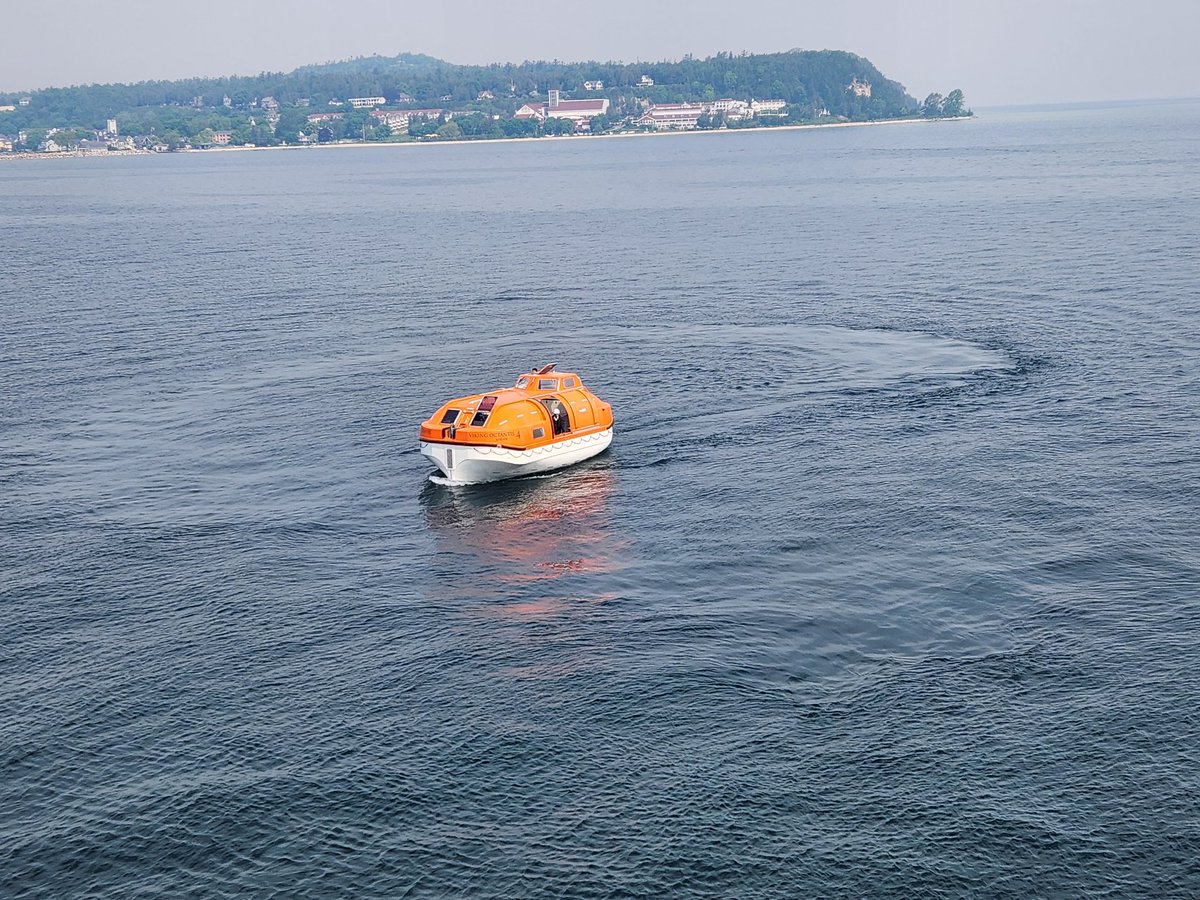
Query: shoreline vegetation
x=352 y=145
x=411 y=98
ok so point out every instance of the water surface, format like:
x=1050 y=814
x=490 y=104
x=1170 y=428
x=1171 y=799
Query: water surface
x=888 y=585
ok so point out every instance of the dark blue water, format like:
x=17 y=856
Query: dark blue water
x=890 y=583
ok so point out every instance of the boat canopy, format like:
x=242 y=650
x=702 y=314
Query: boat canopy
x=542 y=406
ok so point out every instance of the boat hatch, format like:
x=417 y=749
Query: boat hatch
x=449 y=417
x=485 y=408
x=559 y=418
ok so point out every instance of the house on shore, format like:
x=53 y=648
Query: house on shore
x=672 y=115
x=430 y=114
x=734 y=110
x=768 y=107
x=396 y=119
x=687 y=115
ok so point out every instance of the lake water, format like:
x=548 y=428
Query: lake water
x=890 y=583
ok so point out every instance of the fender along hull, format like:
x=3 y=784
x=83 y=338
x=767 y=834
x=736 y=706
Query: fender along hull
x=462 y=464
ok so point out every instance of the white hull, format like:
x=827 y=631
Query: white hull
x=471 y=465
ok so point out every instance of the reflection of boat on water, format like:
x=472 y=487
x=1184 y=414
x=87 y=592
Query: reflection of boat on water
x=528 y=529
x=545 y=421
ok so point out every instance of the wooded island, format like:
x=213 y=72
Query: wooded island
x=411 y=97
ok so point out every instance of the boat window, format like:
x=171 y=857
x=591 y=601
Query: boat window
x=568 y=382
x=449 y=416
x=523 y=381
x=547 y=384
x=539 y=432
x=483 y=411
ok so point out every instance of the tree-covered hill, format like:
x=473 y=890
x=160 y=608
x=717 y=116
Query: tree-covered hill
x=811 y=81
x=369 y=64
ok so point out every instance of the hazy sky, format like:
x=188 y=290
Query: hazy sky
x=999 y=52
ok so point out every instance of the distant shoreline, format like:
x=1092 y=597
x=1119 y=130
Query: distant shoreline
x=347 y=145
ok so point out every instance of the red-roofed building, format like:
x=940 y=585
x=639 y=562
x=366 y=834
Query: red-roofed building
x=578 y=111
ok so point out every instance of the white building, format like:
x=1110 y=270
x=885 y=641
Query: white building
x=364 y=102
x=392 y=118
x=645 y=81
x=733 y=110
x=672 y=115
x=430 y=114
x=111 y=127
x=593 y=85
x=768 y=107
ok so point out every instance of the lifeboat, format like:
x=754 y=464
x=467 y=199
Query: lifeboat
x=545 y=421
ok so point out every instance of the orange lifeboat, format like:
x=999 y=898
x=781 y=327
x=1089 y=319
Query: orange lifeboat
x=545 y=421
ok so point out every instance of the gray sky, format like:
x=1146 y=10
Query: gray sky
x=999 y=52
